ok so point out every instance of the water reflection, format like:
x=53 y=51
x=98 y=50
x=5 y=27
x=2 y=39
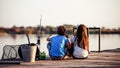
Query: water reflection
x=13 y=36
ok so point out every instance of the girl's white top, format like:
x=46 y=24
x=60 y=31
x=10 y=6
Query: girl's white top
x=78 y=52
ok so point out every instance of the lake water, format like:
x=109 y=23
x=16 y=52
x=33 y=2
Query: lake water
x=108 y=41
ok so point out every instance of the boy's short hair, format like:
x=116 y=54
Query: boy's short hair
x=61 y=30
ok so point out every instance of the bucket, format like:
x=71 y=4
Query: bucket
x=29 y=53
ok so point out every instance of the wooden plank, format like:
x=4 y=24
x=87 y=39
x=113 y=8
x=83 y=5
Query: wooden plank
x=9 y=62
x=95 y=60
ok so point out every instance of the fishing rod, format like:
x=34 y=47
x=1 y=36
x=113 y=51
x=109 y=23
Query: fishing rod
x=39 y=31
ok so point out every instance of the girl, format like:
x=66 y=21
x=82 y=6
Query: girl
x=80 y=43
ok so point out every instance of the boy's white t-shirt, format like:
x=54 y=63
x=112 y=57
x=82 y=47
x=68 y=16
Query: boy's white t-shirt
x=78 y=52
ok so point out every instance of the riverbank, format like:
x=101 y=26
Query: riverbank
x=3 y=34
x=104 y=59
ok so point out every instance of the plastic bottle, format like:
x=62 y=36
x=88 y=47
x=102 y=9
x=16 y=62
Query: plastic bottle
x=43 y=56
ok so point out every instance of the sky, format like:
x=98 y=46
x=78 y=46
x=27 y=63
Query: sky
x=92 y=13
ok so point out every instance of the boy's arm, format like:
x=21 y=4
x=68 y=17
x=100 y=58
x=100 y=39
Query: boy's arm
x=68 y=45
x=48 y=39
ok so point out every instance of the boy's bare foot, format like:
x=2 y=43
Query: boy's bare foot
x=68 y=57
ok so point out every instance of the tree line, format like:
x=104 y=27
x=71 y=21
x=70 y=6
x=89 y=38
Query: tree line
x=51 y=30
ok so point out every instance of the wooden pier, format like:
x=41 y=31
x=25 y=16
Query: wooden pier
x=103 y=59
